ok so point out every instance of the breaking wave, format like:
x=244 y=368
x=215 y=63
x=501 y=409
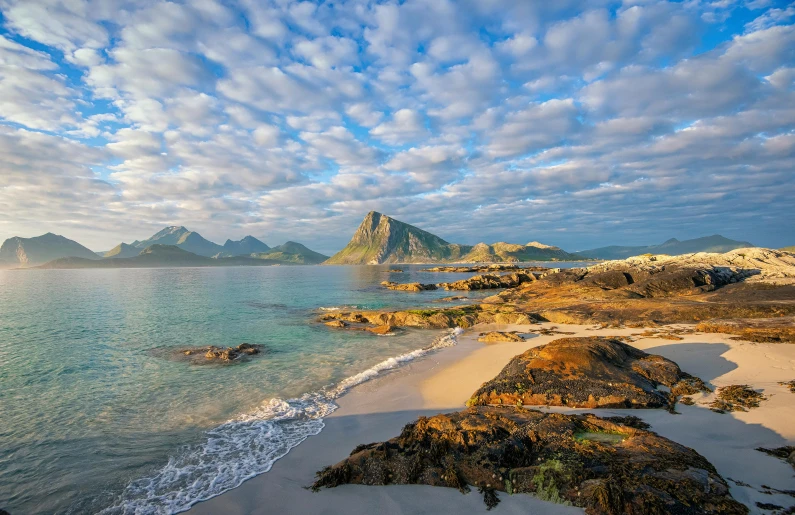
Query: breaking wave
x=248 y=445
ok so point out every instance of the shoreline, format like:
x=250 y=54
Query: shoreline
x=443 y=380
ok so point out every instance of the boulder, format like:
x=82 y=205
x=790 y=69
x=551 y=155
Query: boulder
x=382 y=329
x=500 y=336
x=408 y=286
x=588 y=372
x=339 y=324
x=609 y=466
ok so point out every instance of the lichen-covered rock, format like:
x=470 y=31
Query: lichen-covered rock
x=489 y=281
x=607 y=466
x=592 y=372
x=408 y=286
x=500 y=336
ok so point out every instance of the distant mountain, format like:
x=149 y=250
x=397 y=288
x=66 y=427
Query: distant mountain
x=122 y=250
x=381 y=239
x=788 y=249
x=673 y=247
x=40 y=249
x=509 y=252
x=292 y=253
x=184 y=239
x=248 y=245
x=166 y=256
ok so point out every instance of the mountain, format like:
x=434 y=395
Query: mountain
x=381 y=239
x=157 y=256
x=184 y=239
x=510 y=252
x=122 y=250
x=248 y=245
x=40 y=249
x=788 y=249
x=673 y=247
x=292 y=253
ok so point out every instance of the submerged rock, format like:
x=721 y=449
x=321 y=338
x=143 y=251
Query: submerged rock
x=500 y=336
x=605 y=466
x=215 y=354
x=337 y=323
x=587 y=372
x=382 y=329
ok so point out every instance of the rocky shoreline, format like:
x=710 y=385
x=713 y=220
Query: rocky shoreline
x=605 y=466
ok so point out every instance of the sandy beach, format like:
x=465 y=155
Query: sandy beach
x=444 y=380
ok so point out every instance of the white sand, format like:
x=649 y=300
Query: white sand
x=377 y=410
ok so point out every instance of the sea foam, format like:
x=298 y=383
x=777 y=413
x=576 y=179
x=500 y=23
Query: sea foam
x=248 y=445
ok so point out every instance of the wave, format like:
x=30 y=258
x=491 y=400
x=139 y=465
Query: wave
x=336 y=308
x=248 y=445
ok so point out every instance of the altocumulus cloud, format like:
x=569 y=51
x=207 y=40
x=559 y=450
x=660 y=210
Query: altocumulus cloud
x=577 y=124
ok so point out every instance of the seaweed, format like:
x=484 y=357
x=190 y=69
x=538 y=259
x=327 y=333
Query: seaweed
x=736 y=397
x=489 y=497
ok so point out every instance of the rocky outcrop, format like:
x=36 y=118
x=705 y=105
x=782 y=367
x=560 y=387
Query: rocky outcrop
x=746 y=264
x=489 y=281
x=762 y=330
x=221 y=354
x=592 y=372
x=478 y=282
x=339 y=324
x=500 y=336
x=607 y=466
x=478 y=268
x=502 y=252
x=441 y=318
x=408 y=286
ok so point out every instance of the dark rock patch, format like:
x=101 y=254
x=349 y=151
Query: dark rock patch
x=514 y=450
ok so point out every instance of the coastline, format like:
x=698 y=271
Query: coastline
x=442 y=382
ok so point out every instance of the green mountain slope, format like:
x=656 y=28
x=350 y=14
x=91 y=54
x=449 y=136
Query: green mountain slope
x=673 y=247
x=122 y=250
x=509 y=253
x=246 y=246
x=24 y=252
x=292 y=253
x=184 y=239
x=381 y=239
x=157 y=256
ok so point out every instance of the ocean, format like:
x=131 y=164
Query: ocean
x=101 y=413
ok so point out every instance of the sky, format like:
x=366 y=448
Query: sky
x=577 y=124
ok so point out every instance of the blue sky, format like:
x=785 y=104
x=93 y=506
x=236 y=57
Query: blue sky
x=578 y=124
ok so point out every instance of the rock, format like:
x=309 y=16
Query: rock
x=736 y=397
x=382 y=329
x=500 y=336
x=439 y=318
x=408 y=286
x=231 y=353
x=337 y=323
x=452 y=298
x=588 y=372
x=395 y=271
x=785 y=453
x=601 y=465
x=489 y=281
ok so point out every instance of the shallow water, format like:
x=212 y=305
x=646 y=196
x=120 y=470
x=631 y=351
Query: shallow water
x=96 y=415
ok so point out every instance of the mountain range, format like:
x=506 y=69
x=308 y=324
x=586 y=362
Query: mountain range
x=173 y=246
x=382 y=239
x=672 y=247
x=379 y=239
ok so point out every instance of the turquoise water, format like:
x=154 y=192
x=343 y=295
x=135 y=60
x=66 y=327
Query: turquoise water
x=98 y=415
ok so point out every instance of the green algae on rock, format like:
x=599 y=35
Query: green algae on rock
x=516 y=450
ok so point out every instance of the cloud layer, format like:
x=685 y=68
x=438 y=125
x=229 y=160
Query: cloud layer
x=574 y=123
